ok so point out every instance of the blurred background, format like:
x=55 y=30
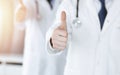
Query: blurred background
x=12 y=39
x=10 y=55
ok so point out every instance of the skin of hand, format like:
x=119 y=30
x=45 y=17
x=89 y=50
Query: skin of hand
x=60 y=34
x=21 y=12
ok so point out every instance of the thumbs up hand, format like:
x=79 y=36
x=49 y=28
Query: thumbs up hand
x=60 y=34
x=21 y=12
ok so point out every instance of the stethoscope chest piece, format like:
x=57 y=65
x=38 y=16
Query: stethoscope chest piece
x=76 y=23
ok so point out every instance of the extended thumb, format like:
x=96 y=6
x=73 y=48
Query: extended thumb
x=63 y=20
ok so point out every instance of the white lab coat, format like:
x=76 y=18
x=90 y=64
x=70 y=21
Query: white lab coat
x=90 y=51
x=56 y=4
x=36 y=60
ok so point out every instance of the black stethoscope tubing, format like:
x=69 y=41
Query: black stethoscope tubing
x=77 y=11
x=76 y=21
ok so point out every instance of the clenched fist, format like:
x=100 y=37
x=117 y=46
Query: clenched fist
x=60 y=34
x=21 y=12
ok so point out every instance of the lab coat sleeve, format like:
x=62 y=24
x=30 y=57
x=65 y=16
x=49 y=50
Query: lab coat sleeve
x=57 y=22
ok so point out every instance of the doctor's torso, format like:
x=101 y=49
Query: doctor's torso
x=41 y=9
x=35 y=28
x=92 y=51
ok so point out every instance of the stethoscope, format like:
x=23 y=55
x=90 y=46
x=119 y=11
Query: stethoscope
x=76 y=21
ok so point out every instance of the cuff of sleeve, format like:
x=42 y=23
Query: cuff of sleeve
x=51 y=50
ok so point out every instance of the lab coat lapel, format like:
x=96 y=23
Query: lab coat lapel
x=112 y=15
x=93 y=13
